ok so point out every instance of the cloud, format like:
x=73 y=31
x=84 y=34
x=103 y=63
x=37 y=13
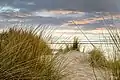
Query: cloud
x=89 y=21
x=43 y=14
x=8 y=9
x=82 y=5
x=45 y=11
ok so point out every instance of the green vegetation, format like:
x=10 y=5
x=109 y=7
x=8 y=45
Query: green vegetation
x=97 y=59
x=67 y=48
x=114 y=64
x=74 y=46
x=114 y=67
x=24 y=55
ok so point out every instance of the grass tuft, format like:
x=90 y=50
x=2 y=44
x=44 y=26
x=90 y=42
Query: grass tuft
x=75 y=46
x=112 y=65
x=25 y=55
x=97 y=59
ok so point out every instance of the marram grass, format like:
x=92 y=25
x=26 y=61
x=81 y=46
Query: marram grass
x=112 y=65
x=97 y=59
x=69 y=47
x=24 y=55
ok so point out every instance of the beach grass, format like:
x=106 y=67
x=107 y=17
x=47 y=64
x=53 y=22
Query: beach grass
x=69 y=47
x=25 y=55
x=114 y=64
x=111 y=64
x=97 y=59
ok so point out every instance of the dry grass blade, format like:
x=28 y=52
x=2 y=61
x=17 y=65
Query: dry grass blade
x=26 y=55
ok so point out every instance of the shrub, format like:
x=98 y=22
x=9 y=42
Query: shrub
x=25 y=55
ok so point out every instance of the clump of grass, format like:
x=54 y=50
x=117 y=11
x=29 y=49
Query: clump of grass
x=67 y=48
x=25 y=55
x=74 y=46
x=24 y=38
x=114 y=67
x=97 y=59
x=114 y=64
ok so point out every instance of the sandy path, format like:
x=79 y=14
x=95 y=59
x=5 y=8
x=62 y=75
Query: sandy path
x=79 y=67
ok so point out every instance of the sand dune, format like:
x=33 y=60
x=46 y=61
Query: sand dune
x=79 y=68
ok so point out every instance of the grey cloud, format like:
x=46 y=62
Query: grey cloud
x=82 y=5
x=28 y=6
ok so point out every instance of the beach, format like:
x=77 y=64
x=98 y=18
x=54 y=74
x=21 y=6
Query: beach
x=79 y=68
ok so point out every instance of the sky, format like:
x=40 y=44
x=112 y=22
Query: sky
x=36 y=11
x=82 y=5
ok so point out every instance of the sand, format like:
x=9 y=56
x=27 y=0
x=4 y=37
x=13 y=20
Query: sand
x=78 y=67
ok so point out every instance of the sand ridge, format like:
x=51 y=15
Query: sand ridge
x=79 y=68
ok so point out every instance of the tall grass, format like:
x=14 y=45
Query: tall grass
x=74 y=46
x=97 y=58
x=26 y=55
x=112 y=65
